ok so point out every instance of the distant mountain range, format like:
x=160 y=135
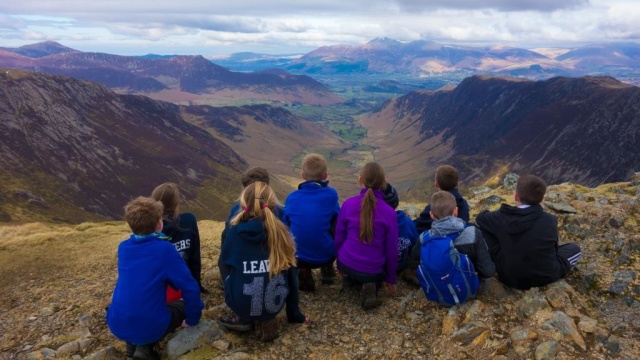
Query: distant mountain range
x=581 y=130
x=428 y=58
x=159 y=75
x=73 y=150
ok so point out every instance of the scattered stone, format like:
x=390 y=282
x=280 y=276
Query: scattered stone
x=75 y=347
x=107 y=353
x=450 y=322
x=502 y=348
x=492 y=288
x=587 y=324
x=612 y=344
x=563 y=323
x=618 y=287
x=474 y=311
x=510 y=181
x=492 y=200
x=189 y=338
x=521 y=335
x=561 y=207
x=480 y=190
x=44 y=353
x=220 y=345
x=616 y=222
x=558 y=298
x=469 y=333
x=635 y=179
x=547 y=350
x=531 y=303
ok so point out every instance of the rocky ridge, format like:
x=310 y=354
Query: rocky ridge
x=592 y=314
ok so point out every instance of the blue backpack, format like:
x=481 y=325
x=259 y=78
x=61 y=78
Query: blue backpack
x=446 y=276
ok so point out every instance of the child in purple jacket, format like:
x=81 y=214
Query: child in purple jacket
x=367 y=237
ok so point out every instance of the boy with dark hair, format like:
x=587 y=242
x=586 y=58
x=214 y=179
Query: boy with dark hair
x=446 y=179
x=311 y=213
x=408 y=234
x=250 y=176
x=523 y=239
x=147 y=264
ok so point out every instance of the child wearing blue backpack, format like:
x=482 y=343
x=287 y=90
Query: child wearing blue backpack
x=450 y=253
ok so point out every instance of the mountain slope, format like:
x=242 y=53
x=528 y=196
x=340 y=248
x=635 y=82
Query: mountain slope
x=582 y=130
x=190 y=74
x=73 y=150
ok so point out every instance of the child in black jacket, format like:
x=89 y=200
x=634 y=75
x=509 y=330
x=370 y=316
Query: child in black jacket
x=523 y=239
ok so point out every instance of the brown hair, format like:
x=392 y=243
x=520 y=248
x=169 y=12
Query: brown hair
x=255 y=174
x=442 y=204
x=142 y=215
x=372 y=177
x=530 y=189
x=259 y=201
x=447 y=177
x=169 y=194
x=314 y=167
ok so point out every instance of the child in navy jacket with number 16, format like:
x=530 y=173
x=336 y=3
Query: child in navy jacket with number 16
x=259 y=256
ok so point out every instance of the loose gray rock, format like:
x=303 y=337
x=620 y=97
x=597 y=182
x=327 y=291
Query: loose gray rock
x=510 y=181
x=565 y=325
x=492 y=288
x=561 y=207
x=635 y=179
x=531 y=303
x=547 y=350
x=521 y=335
x=412 y=211
x=189 y=338
x=108 y=353
x=480 y=190
x=492 y=200
x=78 y=346
x=618 y=287
x=44 y=353
x=469 y=332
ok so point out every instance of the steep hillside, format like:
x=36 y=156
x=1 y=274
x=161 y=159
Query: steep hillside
x=72 y=150
x=582 y=130
x=268 y=136
x=189 y=74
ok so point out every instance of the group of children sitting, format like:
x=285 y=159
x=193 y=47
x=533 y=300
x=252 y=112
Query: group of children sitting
x=268 y=252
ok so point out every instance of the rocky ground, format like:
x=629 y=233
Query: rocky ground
x=57 y=279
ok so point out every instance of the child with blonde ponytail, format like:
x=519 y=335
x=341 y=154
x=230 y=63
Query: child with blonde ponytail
x=367 y=237
x=259 y=254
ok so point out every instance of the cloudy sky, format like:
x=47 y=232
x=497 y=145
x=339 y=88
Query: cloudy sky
x=136 y=27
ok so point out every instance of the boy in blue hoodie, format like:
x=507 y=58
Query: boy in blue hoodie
x=311 y=213
x=147 y=264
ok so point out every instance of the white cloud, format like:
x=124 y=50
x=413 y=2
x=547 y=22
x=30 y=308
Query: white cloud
x=198 y=27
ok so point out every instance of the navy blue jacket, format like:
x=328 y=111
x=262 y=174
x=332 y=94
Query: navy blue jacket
x=186 y=239
x=408 y=236
x=146 y=265
x=248 y=291
x=311 y=213
x=423 y=222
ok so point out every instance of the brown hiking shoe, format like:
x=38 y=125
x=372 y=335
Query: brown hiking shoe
x=269 y=330
x=305 y=280
x=328 y=274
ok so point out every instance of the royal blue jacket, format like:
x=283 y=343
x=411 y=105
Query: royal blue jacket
x=248 y=291
x=408 y=236
x=146 y=265
x=311 y=213
x=185 y=237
